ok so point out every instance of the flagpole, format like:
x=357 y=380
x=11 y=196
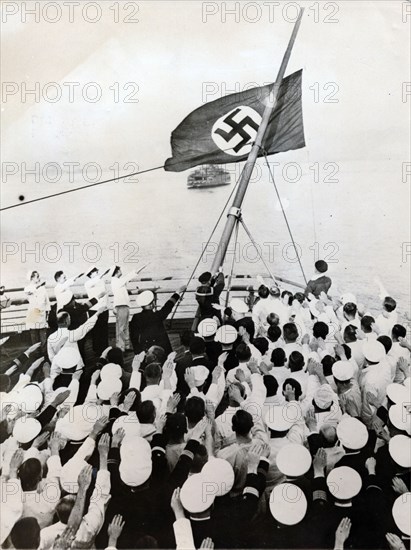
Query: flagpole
x=235 y=211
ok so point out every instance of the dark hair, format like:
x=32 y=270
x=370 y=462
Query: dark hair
x=64 y=508
x=152 y=371
x=185 y=338
x=200 y=458
x=115 y=355
x=57 y=275
x=350 y=333
x=25 y=534
x=347 y=350
x=386 y=342
x=300 y=297
x=327 y=363
x=197 y=345
x=273 y=320
x=145 y=542
x=242 y=422
x=30 y=473
x=320 y=330
x=248 y=324
x=159 y=353
x=350 y=308
x=194 y=409
x=274 y=333
x=261 y=344
x=321 y=266
x=398 y=331
x=146 y=412
x=389 y=304
x=176 y=426
x=296 y=386
x=243 y=352
x=278 y=357
x=290 y=332
x=263 y=291
x=63 y=318
x=271 y=385
x=4 y=382
x=289 y=294
x=296 y=361
x=367 y=322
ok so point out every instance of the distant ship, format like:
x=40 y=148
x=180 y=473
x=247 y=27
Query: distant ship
x=208 y=176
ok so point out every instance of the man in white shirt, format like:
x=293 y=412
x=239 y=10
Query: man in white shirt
x=388 y=318
x=62 y=285
x=96 y=288
x=38 y=309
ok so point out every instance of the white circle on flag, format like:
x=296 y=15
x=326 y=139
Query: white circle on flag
x=235 y=132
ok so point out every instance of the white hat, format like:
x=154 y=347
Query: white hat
x=197 y=494
x=208 y=327
x=280 y=418
x=401 y=512
x=78 y=423
x=107 y=387
x=344 y=483
x=90 y=270
x=145 y=298
x=348 y=298
x=400 y=450
x=112 y=269
x=65 y=298
x=400 y=418
x=397 y=393
x=201 y=374
x=130 y=425
x=226 y=334
x=111 y=371
x=343 y=370
x=69 y=474
x=352 y=433
x=238 y=305
x=221 y=473
x=66 y=358
x=288 y=504
x=373 y=351
x=26 y=429
x=293 y=460
x=30 y=398
x=135 y=465
x=324 y=396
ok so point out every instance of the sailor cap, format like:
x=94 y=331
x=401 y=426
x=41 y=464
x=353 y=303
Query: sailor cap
x=26 y=429
x=288 y=504
x=352 y=433
x=293 y=460
x=207 y=327
x=111 y=371
x=30 y=398
x=197 y=494
x=238 y=305
x=136 y=465
x=107 y=387
x=201 y=374
x=78 y=423
x=145 y=298
x=344 y=483
x=348 y=298
x=401 y=512
x=66 y=358
x=324 y=396
x=399 y=447
x=226 y=334
x=129 y=423
x=373 y=351
x=400 y=418
x=219 y=472
x=280 y=418
x=343 y=371
x=397 y=393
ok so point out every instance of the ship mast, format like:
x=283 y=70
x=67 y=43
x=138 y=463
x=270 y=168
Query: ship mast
x=235 y=211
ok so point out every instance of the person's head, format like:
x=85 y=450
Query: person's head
x=146 y=412
x=278 y=357
x=152 y=373
x=389 y=304
x=287 y=297
x=290 y=332
x=398 y=331
x=263 y=292
x=320 y=330
x=296 y=361
x=175 y=427
x=350 y=334
x=271 y=385
x=386 y=342
x=246 y=325
x=274 y=333
x=197 y=345
x=321 y=266
x=63 y=319
x=30 y=474
x=295 y=386
x=117 y=272
x=116 y=356
x=159 y=353
x=194 y=409
x=4 y=383
x=26 y=534
x=243 y=352
x=59 y=277
x=261 y=344
x=93 y=273
x=275 y=292
x=205 y=278
x=242 y=423
x=349 y=311
x=347 y=352
x=199 y=460
x=328 y=436
x=299 y=297
x=327 y=363
x=35 y=277
x=273 y=320
x=64 y=508
x=185 y=338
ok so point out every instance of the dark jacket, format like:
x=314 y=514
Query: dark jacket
x=316 y=286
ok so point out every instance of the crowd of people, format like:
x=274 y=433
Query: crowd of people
x=280 y=421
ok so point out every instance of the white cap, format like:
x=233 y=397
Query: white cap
x=344 y=483
x=111 y=371
x=398 y=393
x=130 y=425
x=90 y=270
x=324 y=396
x=400 y=450
x=293 y=460
x=135 y=465
x=69 y=474
x=107 y=387
x=145 y=298
x=400 y=418
x=226 y=334
x=373 y=351
x=208 y=327
x=77 y=424
x=65 y=298
x=66 y=358
x=352 y=433
x=221 y=473
x=30 y=398
x=343 y=370
x=197 y=494
x=401 y=512
x=348 y=298
x=201 y=374
x=238 y=305
x=288 y=504
x=280 y=418
x=26 y=429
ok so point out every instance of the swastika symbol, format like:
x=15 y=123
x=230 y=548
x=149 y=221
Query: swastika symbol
x=237 y=128
x=235 y=131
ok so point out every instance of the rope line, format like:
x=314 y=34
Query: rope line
x=256 y=247
x=237 y=226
